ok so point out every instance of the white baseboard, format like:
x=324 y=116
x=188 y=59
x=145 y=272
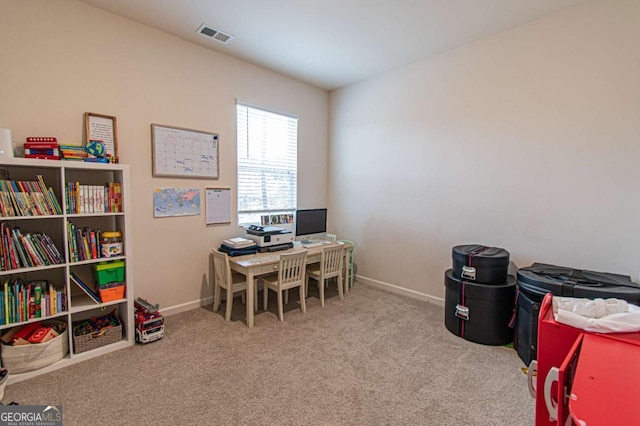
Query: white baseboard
x=187 y=306
x=400 y=290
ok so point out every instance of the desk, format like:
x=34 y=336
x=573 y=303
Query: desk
x=253 y=265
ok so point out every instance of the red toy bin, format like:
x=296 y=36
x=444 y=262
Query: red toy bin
x=607 y=381
x=555 y=341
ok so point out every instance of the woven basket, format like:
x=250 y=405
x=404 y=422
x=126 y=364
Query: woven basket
x=3 y=384
x=23 y=358
x=97 y=339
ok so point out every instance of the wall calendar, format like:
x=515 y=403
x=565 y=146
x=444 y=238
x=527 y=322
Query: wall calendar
x=179 y=152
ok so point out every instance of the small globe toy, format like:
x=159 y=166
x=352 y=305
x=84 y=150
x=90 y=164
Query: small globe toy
x=95 y=148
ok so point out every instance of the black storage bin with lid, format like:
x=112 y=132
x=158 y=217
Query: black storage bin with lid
x=478 y=312
x=481 y=264
x=535 y=281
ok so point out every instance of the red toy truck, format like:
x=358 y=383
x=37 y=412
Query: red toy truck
x=149 y=322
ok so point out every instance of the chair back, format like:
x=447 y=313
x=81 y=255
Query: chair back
x=351 y=265
x=330 y=237
x=221 y=267
x=332 y=261
x=292 y=267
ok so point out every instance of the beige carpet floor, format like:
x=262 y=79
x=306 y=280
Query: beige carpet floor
x=375 y=358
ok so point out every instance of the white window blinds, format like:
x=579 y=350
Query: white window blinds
x=267 y=163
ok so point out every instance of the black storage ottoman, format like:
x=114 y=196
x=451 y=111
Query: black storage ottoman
x=535 y=281
x=477 y=312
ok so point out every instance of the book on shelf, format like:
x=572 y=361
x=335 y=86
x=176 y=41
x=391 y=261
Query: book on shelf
x=83 y=244
x=86 y=288
x=23 y=260
x=22 y=300
x=88 y=199
x=114 y=197
x=34 y=258
x=50 y=198
x=8 y=252
x=6 y=203
x=26 y=250
x=27 y=198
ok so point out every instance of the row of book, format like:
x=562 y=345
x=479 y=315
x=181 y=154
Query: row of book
x=87 y=199
x=27 y=198
x=22 y=300
x=84 y=243
x=26 y=250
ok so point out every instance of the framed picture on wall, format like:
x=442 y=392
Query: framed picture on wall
x=102 y=128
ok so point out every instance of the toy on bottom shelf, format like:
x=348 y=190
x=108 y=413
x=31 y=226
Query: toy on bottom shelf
x=149 y=322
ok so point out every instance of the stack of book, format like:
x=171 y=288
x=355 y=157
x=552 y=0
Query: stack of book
x=73 y=152
x=238 y=246
x=238 y=243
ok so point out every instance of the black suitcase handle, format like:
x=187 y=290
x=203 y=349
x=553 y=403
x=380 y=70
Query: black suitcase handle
x=572 y=278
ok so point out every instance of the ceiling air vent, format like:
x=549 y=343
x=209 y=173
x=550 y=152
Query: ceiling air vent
x=217 y=35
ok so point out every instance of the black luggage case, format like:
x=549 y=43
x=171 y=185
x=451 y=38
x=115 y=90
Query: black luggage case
x=479 y=312
x=481 y=264
x=535 y=281
x=525 y=339
x=540 y=279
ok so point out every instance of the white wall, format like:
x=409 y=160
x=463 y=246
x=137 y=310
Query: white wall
x=60 y=59
x=527 y=140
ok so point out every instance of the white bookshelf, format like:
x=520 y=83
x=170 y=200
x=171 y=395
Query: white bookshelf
x=56 y=175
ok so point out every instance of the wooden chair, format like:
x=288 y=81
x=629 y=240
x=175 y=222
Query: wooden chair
x=330 y=237
x=348 y=270
x=233 y=282
x=291 y=273
x=330 y=266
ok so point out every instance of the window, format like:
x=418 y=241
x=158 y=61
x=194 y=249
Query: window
x=267 y=164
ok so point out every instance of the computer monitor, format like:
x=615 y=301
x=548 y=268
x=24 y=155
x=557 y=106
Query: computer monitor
x=311 y=221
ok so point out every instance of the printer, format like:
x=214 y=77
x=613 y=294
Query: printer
x=270 y=238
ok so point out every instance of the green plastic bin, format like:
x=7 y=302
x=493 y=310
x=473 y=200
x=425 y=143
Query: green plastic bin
x=109 y=272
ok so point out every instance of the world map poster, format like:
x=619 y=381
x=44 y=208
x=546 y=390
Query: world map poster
x=169 y=202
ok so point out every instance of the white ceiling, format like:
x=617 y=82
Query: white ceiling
x=332 y=43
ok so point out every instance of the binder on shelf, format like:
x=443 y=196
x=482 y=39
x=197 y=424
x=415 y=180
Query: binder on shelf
x=86 y=289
